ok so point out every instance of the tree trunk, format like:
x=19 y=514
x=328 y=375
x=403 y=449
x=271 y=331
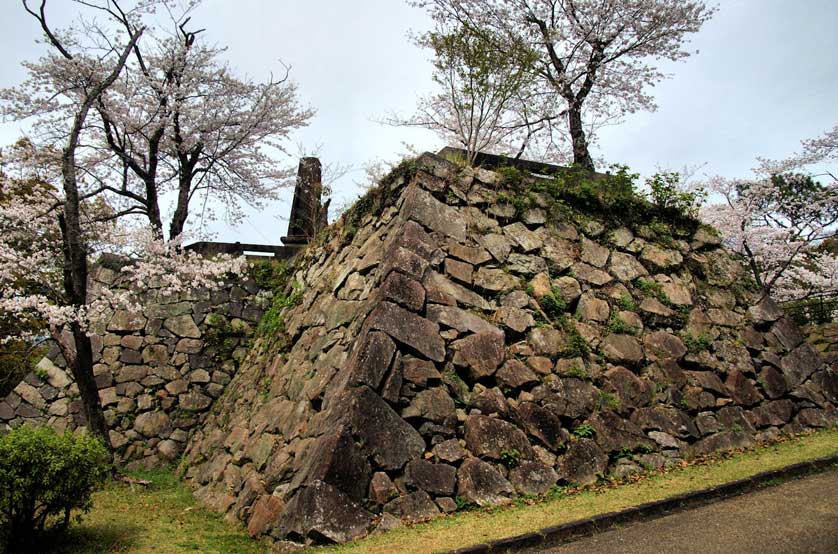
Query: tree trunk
x=153 y=202
x=153 y=207
x=75 y=289
x=73 y=243
x=182 y=206
x=88 y=391
x=581 y=156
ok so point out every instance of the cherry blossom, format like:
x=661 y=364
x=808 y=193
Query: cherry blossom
x=589 y=61
x=779 y=219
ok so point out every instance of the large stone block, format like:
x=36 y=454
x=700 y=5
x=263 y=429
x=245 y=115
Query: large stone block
x=437 y=479
x=386 y=437
x=153 y=424
x=337 y=460
x=482 y=353
x=322 y=513
x=480 y=483
x=495 y=280
x=523 y=237
x=800 y=364
x=614 y=433
x=264 y=513
x=495 y=439
x=566 y=397
x=123 y=320
x=622 y=349
x=404 y=290
x=461 y=320
x=433 y=405
x=533 y=478
x=668 y=420
x=583 y=463
x=625 y=267
x=182 y=326
x=416 y=506
x=423 y=208
x=541 y=424
x=371 y=359
x=409 y=328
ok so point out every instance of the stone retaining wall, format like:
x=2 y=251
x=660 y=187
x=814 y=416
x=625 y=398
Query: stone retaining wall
x=157 y=371
x=824 y=337
x=462 y=339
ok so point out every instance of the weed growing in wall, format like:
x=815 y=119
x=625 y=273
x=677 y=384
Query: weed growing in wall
x=627 y=303
x=697 y=343
x=553 y=304
x=274 y=276
x=273 y=321
x=584 y=431
x=617 y=325
x=376 y=198
x=510 y=458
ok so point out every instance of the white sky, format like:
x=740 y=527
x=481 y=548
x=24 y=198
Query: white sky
x=765 y=77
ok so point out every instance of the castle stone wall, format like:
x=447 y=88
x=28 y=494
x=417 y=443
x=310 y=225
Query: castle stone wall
x=158 y=371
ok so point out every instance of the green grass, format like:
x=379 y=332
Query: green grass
x=164 y=518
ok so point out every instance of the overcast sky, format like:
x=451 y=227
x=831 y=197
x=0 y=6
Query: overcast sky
x=765 y=77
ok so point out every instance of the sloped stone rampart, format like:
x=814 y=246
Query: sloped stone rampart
x=158 y=371
x=464 y=339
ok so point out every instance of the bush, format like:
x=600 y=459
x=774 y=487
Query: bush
x=45 y=475
x=667 y=195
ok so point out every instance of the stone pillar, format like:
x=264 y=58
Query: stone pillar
x=306 y=210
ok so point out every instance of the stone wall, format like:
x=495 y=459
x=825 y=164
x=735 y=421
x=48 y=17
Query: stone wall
x=466 y=339
x=824 y=337
x=157 y=371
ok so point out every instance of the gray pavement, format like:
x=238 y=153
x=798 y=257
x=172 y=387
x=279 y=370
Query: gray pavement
x=797 y=517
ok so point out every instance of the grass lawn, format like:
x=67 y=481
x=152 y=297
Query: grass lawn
x=164 y=519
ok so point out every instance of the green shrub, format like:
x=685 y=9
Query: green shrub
x=45 y=475
x=666 y=195
x=511 y=176
x=269 y=274
x=578 y=373
x=577 y=346
x=651 y=289
x=463 y=504
x=17 y=356
x=272 y=321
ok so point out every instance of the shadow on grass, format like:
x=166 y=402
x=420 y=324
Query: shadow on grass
x=94 y=539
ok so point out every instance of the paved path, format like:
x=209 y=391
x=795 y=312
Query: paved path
x=796 y=517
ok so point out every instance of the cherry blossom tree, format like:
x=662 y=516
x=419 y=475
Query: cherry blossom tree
x=39 y=285
x=781 y=219
x=176 y=121
x=484 y=102
x=92 y=76
x=17 y=355
x=817 y=151
x=49 y=234
x=595 y=58
x=207 y=134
